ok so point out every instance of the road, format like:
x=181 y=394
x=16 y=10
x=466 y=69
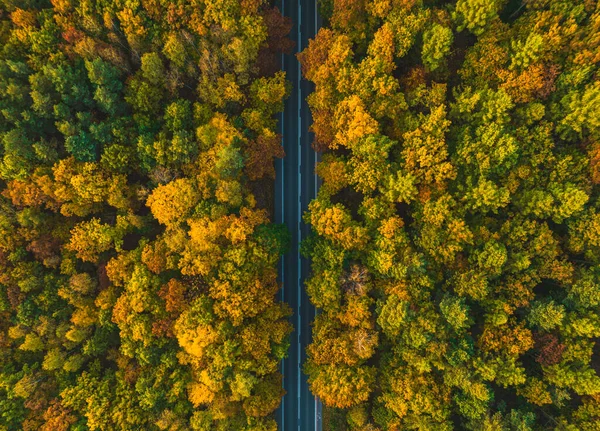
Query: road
x=296 y=186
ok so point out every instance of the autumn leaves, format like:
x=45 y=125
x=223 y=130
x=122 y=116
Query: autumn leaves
x=138 y=270
x=456 y=237
x=456 y=222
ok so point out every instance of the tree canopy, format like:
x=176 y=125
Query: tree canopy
x=455 y=248
x=137 y=263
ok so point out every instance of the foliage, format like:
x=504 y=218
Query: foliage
x=137 y=270
x=455 y=238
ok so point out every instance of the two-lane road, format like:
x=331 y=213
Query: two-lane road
x=296 y=186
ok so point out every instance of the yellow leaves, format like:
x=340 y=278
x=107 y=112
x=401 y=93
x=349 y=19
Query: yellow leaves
x=333 y=172
x=265 y=399
x=258 y=337
x=32 y=343
x=336 y=223
x=391 y=227
x=82 y=186
x=417 y=393
x=194 y=263
x=385 y=86
x=229 y=89
x=356 y=312
x=242 y=385
x=61 y=6
x=488 y=196
x=379 y=8
x=204 y=388
x=256 y=341
x=339 y=51
x=106 y=299
x=120 y=312
x=242 y=226
x=235 y=229
x=443 y=234
x=425 y=150
x=27 y=385
x=81 y=183
x=325 y=56
x=230 y=302
x=200 y=394
x=352 y=122
x=89 y=239
x=16 y=332
x=343 y=387
x=382 y=47
x=585 y=234
x=335 y=343
x=242 y=299
x=84 y=317
x=581 y=108
x=472 y=284
x=270 y=92
x=204 y=232
x=219 y=132
x=406 y=24
x=464 y=379
x=536 y=392
x=438 y=211
x=475 y=15
x=229 y=192
x=221 y=13
x=131 y=23
x=169 y=203
x=195 y=341
x=23 y=18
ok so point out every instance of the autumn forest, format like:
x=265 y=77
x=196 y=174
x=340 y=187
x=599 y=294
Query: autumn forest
x=455 y=246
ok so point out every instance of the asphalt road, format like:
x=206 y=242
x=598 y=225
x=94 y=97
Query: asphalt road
x=296 y=186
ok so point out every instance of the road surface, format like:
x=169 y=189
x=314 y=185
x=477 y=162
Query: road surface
x=296 y=186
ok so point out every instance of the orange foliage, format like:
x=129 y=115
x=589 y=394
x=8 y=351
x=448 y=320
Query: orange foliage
x=25 y=193
x=535 y=82
x=260 y=153
x=594 y=156
x=23 y=18
x=174 y=295
x=515 y=340
x=154 y=256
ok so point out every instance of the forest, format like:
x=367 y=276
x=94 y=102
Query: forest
x=456 y=247
x=138 y=260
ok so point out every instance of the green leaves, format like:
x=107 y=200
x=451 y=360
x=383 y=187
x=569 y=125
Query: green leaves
x=456 y=312
x=483 y=237
x=125 y=141
x=392 y=316
x=437 y=42
x=546 y=315
x=475 y=15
